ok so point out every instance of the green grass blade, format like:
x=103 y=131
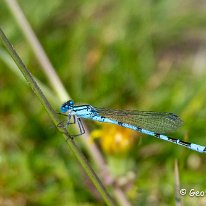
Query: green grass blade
x=32 y=83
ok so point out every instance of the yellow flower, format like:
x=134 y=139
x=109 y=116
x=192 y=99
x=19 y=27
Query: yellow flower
x=114 y=139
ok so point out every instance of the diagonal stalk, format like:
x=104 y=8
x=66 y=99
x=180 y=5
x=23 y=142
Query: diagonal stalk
x=58 y=87
x=71 y=143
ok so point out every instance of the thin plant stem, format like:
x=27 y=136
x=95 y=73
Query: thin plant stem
x=60 y=91
x=71 y=143
x=178 y=201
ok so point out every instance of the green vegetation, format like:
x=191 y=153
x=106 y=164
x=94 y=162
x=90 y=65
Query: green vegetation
x=145 y=55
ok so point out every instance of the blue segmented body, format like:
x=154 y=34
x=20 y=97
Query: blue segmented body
x=150 y=123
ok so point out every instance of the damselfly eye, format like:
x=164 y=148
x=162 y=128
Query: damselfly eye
x=70 y=103
x=64 y=108
x=67 y=106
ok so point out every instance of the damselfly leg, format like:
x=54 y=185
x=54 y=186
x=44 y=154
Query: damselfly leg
x=65 y=124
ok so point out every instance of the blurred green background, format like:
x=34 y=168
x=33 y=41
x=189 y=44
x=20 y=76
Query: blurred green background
x=145 y=55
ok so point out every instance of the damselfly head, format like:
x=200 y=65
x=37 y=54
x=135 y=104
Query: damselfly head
x=67 y=106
